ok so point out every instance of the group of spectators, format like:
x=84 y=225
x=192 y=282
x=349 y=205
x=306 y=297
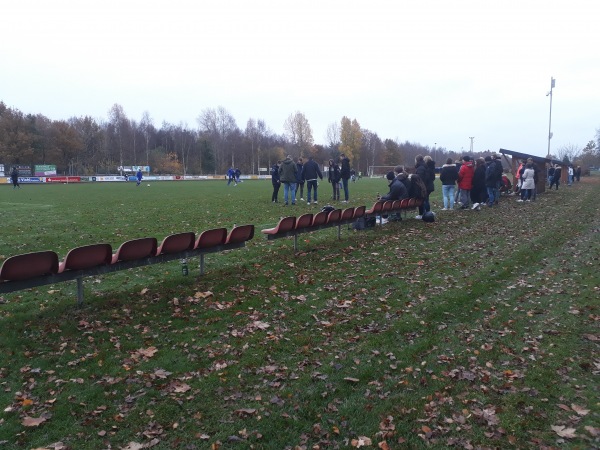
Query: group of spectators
x=479 y=182
x=293 y=176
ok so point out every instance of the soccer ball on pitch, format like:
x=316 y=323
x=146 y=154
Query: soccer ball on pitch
x=148 y=185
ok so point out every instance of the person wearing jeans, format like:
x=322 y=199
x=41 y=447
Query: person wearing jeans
x=448 y=177
x=310 y=172
x=345 y=174
x=287 y=175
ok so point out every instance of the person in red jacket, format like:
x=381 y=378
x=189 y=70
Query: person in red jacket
x=465 y=181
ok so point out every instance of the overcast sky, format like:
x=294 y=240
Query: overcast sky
x=426 y=71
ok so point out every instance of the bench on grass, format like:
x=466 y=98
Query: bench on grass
x=386 y=207
x=42 y=268
x=306 y=223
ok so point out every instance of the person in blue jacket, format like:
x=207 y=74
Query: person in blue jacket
x=139 y=177
x=231 y=176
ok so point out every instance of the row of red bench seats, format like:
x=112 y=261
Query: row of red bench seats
x=381 y=208
x=38 y=268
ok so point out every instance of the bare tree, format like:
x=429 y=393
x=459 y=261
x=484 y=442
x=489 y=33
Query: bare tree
x=332 y=135
x=299 y=132
x=118 y=119
x=218 y=125
x=568 y=152
x=146 y=127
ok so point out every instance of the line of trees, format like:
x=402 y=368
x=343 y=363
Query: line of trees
x=86 y=146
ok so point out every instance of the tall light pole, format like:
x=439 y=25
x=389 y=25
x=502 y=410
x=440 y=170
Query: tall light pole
x=471 y=137
x=435 y=151
x=552 y=84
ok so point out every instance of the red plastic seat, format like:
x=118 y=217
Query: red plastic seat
x=305 y=220
x=135 y=249
x=334 y=216
x=241 y=233
x=211 y=238
x=347 y=214
x=85 y=257
x=176 y=243
x=404 y=203
x=359 y=211
x=29 y=265
x=285 y=224
x=319 y=218
x=375 y=209
x=412 y=203
x=387 y=206
x=396 y=205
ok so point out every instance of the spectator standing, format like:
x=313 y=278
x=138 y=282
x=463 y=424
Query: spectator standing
x=556 y=177
x=345 y=176
x=288 y=174
x=578 y=173
x=478 y=189
x=536 y=177
x=275 y=181
x=550 y=175
x=527 y=183
x=421 y=172
x=14 y=177
x=465 y=180
x=429 y=180
x=490 y=180
x=310 y=172
x=448 y=177
x=333 y=176
x=299 y=180
x=520 y=170
x=570 y=173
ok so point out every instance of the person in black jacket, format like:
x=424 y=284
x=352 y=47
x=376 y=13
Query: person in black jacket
x=556 y=177
x=299 y=180
x=429 y=181
x=397 y=190
x=275 y=181
x=345 y=174
x=448 y=177
x=333 y=176
x=478 y=190
x=491 y=182
x=423 y=173
x=310 y=172
x=14 y=177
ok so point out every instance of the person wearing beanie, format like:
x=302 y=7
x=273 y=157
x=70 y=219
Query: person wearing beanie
x=397 y=188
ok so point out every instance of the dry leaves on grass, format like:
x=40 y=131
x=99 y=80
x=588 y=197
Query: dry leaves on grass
x=33 y=421
x=563 y=431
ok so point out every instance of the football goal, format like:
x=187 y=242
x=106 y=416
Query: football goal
x=379 y=171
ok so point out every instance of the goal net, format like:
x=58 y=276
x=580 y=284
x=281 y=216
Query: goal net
x=379 y=171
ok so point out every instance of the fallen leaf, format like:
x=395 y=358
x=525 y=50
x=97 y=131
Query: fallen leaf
x=32 y=421
x=580 y=410
x=563 y=431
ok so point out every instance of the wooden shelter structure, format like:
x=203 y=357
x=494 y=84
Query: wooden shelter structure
x=543 y=163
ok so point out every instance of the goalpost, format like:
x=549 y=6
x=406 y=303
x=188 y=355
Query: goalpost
x=379 y=171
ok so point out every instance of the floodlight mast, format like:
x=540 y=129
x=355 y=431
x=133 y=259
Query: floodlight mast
x=552 y=84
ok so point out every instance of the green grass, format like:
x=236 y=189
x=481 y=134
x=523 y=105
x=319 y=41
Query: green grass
x=479 y=330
